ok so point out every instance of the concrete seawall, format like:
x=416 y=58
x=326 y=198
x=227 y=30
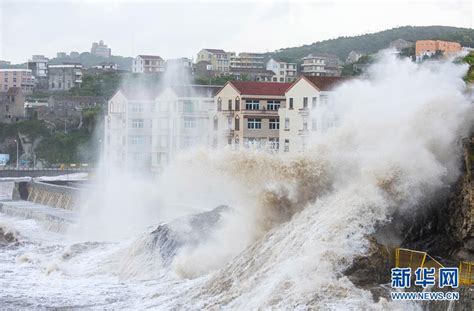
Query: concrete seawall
x=49 y=194
x=4 y=173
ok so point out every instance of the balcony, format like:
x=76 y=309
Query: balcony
x=304 y=111
x=260 y=112
x=227 y=112
x=303 y=132
x=229 y=132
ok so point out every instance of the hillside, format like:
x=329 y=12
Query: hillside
x=371 y=43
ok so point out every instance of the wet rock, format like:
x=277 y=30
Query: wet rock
x=373 y=269
x=7 y=237
x=463 y=254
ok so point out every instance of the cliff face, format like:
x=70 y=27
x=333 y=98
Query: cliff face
x=461 y=209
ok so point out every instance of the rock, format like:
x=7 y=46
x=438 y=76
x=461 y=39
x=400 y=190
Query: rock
x=7 y=237
x=463 y=254
x=469 y=243
x=373 y=268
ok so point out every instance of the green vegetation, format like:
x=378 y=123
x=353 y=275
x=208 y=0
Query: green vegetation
x=469 y=59
x=371 y=43
x=218 y=80
x=103 y=85
x=55 y=146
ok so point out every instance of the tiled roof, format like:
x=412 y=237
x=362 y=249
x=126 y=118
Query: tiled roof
x=150 y=56
x=325 y=83
x=261 y=88
x=13 y=91
x=217 y=51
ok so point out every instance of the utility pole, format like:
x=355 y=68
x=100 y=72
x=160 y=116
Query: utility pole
x=17 y=150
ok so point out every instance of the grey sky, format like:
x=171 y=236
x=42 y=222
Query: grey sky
x=182 y=28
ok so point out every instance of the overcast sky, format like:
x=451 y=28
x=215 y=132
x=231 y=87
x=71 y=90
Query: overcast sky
x=181 y=28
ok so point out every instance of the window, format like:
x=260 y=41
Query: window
x=188 y=106
x=219 y=104
x=273 y=105
x=314 y=124
x=215 y=123
x=137 y=107
x=305 y=102
x=252 y=104
x=137 y=140
x=229 y=106
x=287 y=145
x=237 y=123
x=237 y=104
x=287 y=123
x=189 y=123
x=315 y=102
x=254 y=124
x=6 y=80
x=138 y=123
x=305 y=124
x=7 y=108
x=274 y=124
x=323 y=100
x=52 y=85
x=291 y=103
x=273 y=143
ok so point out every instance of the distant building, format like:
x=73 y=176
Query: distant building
x=38 y=65
x=284 y=72
x=219 y=59
x=21 y=78
x=306 y=111
x=106 y=66
x=400 y=44
x=74 y=54
x=4 y=63
x=246 y=114
x=61 y=55
x=12 y=105
x=252 y=74
x=182 y=68
x=148 y=64
x=321 y=64
x=204 y=69
x=354 y=56
x=65 y=76
x=429 y=48
x=247 y=60
x=100 y=49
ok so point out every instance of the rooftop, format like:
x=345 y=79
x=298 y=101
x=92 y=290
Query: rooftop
x=325 y=83
x=215 y=51
x=150 y=56
x=260 y=88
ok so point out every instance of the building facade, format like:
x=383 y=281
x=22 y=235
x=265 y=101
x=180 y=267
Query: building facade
x=400 y=44
x=354 y=56
x=12 y=105
x=247 y=60
x=148 y=64
x=306 y=111
x=321 y=64
x=180 y=122
x=21 y=78
x=147 y=130
x=219 y=59
x=283 y=71
x=429 y=48
x=246 y=114
x=64 y=77
x=100 y=49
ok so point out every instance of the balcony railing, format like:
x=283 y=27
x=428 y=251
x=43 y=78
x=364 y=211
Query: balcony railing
x=260 y=112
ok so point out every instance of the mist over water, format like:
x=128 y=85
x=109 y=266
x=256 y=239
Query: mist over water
x=292 y=222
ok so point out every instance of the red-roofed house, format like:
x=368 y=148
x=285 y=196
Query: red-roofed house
x=246 y=113
x=148 y=64
x=219 y=59
x=306 y=110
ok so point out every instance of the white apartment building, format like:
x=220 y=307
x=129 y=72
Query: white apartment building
x=306 y=111
x=148 y=64
x=321 y=64
x=180 y=121
x=128 y=128
x=148 y=129
x=284 y=72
